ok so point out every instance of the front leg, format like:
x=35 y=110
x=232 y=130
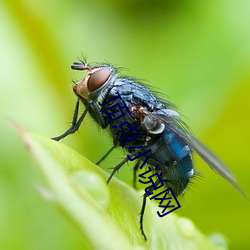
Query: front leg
x=75 y=124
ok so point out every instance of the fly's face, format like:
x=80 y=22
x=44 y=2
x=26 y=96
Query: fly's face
x=95 y=80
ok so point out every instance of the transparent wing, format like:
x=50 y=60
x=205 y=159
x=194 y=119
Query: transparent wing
x=175 y=124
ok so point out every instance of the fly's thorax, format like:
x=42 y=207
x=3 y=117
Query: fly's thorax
x=93 y=85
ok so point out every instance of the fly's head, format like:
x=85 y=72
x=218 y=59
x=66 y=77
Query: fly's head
x=95 y=80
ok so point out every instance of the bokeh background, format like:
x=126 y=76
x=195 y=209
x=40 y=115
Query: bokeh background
x=195 y=52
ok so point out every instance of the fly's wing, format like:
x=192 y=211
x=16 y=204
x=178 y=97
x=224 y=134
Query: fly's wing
x=174 y=123
x=211 y=159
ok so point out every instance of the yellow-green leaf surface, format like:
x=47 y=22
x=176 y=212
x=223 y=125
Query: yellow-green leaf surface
x=106 y=216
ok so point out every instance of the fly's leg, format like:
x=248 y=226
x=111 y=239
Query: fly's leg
x=136 y=167
x=116 y=168
x=75 y=124
x=105 y=155
x=142 y=214
x=150 y=189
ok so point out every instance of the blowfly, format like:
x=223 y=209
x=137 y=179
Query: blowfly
x=144 y=125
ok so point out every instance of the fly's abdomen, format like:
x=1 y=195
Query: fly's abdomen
x=181 y=165
x=175 y=160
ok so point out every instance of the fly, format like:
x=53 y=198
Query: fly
x=163 y=140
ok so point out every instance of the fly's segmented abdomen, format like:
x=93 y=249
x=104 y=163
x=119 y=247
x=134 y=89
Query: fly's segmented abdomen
x=175 y=160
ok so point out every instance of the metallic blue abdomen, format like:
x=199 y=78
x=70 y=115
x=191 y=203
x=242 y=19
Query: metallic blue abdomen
x=175 y=160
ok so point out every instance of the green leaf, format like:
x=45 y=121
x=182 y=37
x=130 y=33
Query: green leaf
x=106 y=215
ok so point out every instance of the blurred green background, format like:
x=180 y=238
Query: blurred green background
x=196 y=52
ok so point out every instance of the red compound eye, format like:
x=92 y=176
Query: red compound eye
x=97 y=79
